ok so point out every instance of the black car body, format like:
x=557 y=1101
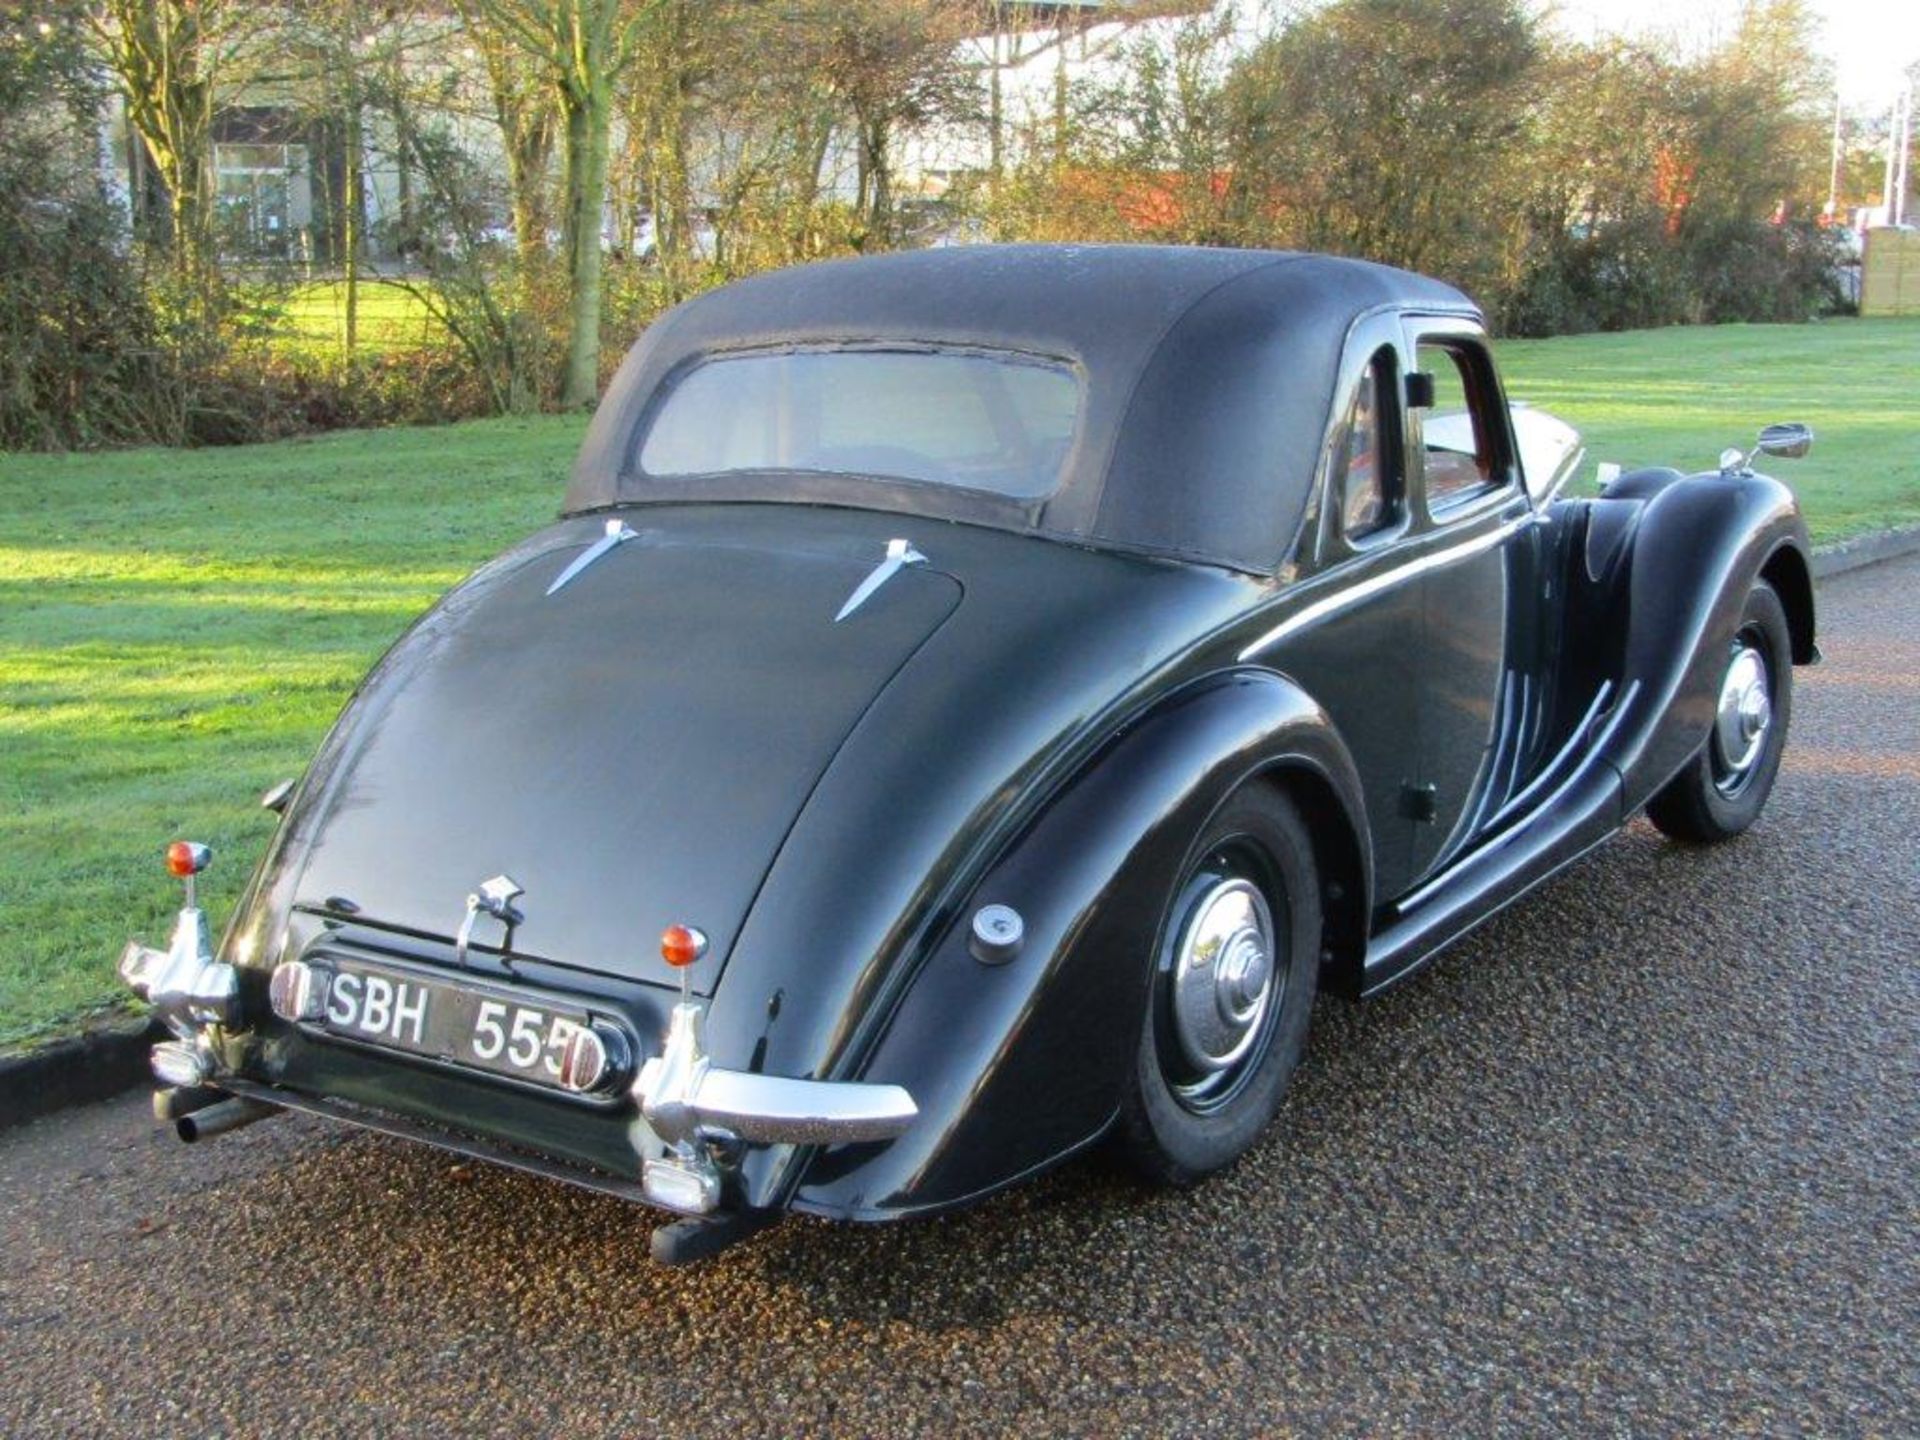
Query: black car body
x=844 y=669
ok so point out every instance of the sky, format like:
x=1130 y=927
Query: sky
x=1869 y=42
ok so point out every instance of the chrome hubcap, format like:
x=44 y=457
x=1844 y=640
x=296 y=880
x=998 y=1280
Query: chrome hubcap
x=1223 y=977
x=1741 y=721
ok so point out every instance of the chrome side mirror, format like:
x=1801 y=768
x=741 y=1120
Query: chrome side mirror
x=1788 y=441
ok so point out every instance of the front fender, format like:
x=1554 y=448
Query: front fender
x=1677 y=593
x=1016 y=1065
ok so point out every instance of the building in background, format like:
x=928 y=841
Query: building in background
x=280 y=160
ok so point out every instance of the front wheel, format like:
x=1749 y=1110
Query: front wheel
x=1723 y=788
x=1237 y=962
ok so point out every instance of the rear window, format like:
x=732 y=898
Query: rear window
x=978 y=420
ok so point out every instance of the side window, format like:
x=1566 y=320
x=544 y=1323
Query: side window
x=1366 y=490
x=1458 y=451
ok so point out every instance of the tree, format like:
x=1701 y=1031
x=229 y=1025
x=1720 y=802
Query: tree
x=582 y=47
x=172 y=59
x=1389 y=129
x=1152 y=146
x=524 y=109
x=78 y=357
x=687 y=45
x=329 y=37
x=741 y=181
x=890 y=62
x=1753 y=116
x=465 y=281
x=1664 y=186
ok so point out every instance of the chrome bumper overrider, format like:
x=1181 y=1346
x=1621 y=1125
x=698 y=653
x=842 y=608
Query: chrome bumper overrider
x=681 y=1092
x=186 y=986
x=694 y=1106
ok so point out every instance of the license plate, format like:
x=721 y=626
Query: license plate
x=459 y=1024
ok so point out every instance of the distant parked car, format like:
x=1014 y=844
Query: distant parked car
x=971 y=704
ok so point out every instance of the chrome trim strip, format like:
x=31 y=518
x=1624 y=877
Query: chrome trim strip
x=1366 y=589
x=1562 y=474
x=1549 y=775
x=1502 y=830
x=618 y=532
x=899 y=553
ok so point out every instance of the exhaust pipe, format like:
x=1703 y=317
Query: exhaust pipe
x=178 y=1101
x=219 y=1119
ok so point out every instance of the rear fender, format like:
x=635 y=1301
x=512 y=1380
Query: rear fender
x=1015 y=1065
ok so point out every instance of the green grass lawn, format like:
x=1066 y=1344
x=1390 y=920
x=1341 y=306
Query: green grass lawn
x=1679 y=397
x=177 y=629
x=313 y=317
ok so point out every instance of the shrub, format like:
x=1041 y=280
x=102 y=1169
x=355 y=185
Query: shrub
x=1635 y=275
x=247 y=393
x=79 y=362
x=1743 y=271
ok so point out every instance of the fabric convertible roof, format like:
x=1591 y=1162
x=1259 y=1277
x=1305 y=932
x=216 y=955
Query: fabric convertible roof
x=1208 y=378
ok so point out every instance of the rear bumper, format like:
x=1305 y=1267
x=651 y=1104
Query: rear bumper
x=684 y=1117
x=675 y=1138
x=692 y=1135
x=681 y=1242
x=405 y=1128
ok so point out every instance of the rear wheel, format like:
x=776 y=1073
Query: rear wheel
x=1236 y=966
x=1723 y=788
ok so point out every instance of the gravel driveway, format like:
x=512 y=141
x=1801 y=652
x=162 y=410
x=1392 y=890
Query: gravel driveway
x=1640 y=1157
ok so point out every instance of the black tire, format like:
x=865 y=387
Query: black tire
x=1715 y=798
x=1181 y=1121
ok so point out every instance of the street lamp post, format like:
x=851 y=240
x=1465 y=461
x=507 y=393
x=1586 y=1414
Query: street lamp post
x=1905 y=143
x=1899 y=145
x=1833 y=173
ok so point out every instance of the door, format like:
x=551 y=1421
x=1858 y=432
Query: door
x=1478 y=693
x=1354 y=658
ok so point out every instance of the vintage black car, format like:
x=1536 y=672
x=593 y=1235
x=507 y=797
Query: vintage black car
x=970 y=704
